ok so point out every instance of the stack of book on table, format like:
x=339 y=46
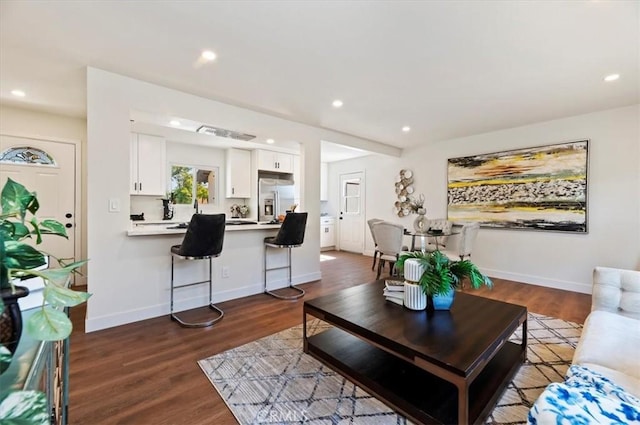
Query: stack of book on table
x=394 y=291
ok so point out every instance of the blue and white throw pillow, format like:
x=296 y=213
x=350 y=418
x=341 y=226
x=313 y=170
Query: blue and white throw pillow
x=586 y=397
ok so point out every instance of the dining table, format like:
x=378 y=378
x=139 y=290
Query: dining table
x=423 y=236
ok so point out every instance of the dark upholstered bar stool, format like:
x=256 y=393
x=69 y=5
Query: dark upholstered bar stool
x=290 y=235
x=202 y=241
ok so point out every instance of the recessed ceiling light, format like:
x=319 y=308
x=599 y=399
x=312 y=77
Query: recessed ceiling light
x=174 y=123
x=406 y=129
x=208 y=55
x=18 y=93
x=270 y=141
x=612 y=77
x=337 y=103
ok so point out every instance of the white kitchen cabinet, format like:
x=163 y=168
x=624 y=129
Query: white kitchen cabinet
x=147 y=165
x=327 y=232
x=275 y=161
x=324 y=181
x=238 y=173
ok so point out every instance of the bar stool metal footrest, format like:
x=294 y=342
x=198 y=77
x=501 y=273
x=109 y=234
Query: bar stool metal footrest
x=174 y=316
x=300 y=293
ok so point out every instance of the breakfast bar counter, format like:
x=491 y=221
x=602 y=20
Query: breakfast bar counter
x=151 y=228
x=237 y=272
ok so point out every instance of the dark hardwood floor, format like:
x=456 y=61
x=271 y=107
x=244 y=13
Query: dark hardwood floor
x=146 y=372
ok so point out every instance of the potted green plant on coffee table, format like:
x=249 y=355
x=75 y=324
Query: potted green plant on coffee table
x=440 y=276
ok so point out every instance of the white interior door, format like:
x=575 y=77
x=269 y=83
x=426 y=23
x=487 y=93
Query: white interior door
x=351 y=219
x=47 y=168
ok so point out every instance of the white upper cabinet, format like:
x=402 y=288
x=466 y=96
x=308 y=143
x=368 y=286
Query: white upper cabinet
x=324 y=184
x=148 y=165
x=275 y=161
x=238 y=168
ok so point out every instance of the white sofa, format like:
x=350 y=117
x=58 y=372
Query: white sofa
x=603 y=382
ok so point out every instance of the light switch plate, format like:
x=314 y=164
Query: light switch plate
x=114 y=205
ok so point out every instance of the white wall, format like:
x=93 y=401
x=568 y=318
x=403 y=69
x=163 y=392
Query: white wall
x=550 y=259
x=41 y=125
x=129 y=276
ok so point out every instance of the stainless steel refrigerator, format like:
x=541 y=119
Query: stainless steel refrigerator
x=275 y=197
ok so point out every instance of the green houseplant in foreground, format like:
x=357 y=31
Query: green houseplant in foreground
x=441 y=274
x=18 y=259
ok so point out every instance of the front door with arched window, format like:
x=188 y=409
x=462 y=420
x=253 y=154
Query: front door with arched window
x=47 y=168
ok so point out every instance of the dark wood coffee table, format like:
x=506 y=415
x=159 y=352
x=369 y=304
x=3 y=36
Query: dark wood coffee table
x=447 y=368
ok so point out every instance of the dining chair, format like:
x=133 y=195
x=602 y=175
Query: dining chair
x=467 y=238
x=389 y=238
x=371 y=222
x=438 y=224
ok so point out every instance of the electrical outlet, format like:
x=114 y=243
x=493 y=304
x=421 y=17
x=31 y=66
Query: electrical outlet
x=225 y=271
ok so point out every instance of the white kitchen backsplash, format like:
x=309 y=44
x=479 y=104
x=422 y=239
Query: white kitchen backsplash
x=151 y=206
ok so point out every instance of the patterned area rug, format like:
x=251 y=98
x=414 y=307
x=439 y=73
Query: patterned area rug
x=271 y=381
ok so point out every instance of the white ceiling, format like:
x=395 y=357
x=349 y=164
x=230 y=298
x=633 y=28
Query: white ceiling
x=148 y=123
x=446 y=68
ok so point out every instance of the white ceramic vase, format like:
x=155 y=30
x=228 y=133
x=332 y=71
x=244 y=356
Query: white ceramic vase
x=414 y=297
x=413 y=270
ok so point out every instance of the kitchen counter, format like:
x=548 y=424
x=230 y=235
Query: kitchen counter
x=151 y=228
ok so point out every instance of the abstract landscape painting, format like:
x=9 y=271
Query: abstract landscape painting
x=540 y=188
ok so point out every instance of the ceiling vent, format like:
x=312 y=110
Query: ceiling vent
x=221 y=132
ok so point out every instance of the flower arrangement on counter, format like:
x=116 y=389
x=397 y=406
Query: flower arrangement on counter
x=239 y=211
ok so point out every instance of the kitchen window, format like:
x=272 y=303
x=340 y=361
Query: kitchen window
x=189 y=183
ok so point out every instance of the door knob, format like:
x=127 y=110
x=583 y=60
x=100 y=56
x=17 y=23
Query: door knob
x=68 y=215
x=68 y=225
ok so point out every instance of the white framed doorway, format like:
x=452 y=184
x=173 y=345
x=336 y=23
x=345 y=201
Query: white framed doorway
x=49 y=169
x=351 y=214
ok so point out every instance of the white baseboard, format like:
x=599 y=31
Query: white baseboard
x=108 y=321
x=123 y=318
x=296 y=280
x=583 y=288
x=111 y=320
